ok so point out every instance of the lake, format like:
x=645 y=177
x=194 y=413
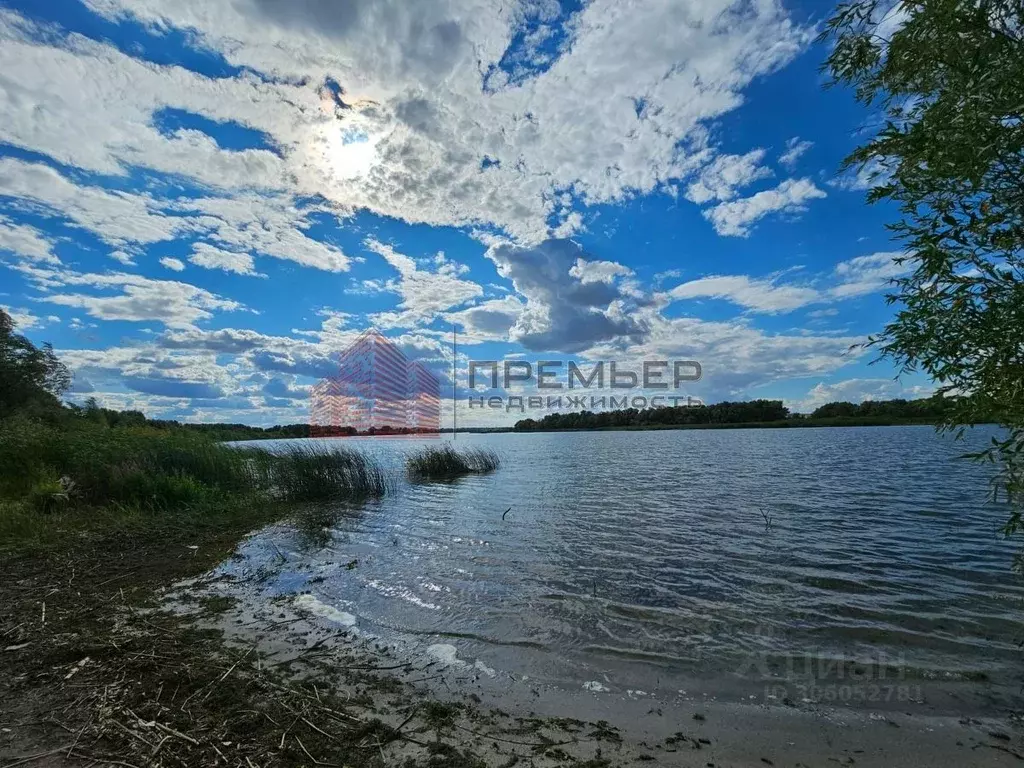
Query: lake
x=852 y=565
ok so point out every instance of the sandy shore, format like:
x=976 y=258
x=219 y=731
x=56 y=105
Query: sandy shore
x=507 y=721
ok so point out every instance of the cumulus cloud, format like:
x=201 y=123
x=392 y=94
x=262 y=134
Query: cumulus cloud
x=119 y=218
x=424 y=293
x=408 y=129
x=488 y=321
x=265 y=224
x=734 y=355
x=599 y=271
x=281 y=387
x=857 y=391
x=175 y=265
x=444 y=112
x=168 y=386
x=736 y=218
x=563 y=313
x=205 y=255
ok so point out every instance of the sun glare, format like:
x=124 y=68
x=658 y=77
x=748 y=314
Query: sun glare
x=351 y=153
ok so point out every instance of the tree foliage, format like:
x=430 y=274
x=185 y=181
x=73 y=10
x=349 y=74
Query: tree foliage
x=30 y=376
x=947 y=77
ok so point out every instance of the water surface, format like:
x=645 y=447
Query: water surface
x=855 y=564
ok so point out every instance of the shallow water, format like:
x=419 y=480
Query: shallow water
x=855 y=565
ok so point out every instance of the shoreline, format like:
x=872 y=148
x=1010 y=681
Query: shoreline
x=787 y=424
x=112 y=653
x=687 y=731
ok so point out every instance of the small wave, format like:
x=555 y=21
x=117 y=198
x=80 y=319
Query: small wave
x=401 y=592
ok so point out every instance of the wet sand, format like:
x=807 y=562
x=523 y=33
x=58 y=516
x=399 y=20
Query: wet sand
x=507 y=720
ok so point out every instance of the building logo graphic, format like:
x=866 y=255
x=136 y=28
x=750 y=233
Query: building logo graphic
x=378 y=391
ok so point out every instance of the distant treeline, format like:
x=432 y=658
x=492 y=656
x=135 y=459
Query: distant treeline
x=754 y=413
x=762 y=413
x=223 y=432
x=112 y=418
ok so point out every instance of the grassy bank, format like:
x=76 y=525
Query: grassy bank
x=76 y=478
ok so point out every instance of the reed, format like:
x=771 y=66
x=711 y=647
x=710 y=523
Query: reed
x=447 y=462
x=313 y=473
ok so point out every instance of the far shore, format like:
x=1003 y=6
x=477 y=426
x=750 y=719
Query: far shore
x=793 y=423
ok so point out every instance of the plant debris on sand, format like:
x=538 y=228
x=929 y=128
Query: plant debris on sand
x=447 y=462
x=93 y=671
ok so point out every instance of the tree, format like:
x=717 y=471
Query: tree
x=947 y=76
x=29 y=376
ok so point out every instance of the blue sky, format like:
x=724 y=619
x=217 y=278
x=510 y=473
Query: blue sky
x=202 y=203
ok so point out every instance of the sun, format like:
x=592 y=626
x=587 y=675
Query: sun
x=351 y=153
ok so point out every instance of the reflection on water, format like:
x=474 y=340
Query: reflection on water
x=643 y=560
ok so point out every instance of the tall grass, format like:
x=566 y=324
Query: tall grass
x=308 y=473
x=446 y=463
x=49 y=469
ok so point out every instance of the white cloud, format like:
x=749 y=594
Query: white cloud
x=850 y=279
x=205 y=255
x=411 y=73
x=821 y=314
x=88 y=105
x=264 y=224
x=488 y=321
x=857 y=391
x=735 y=356
x=867 y=274
x=760 y=295
x=795 y=149
x=123 y=257
x=873 y=173
x=424 y=294
x=563 y=312
x=736 y=217
x=720 y=179
x=118 y=218
x=176 y=304
x=23 y=319
x=599 y=271
x=177 y=265
x=25 y=241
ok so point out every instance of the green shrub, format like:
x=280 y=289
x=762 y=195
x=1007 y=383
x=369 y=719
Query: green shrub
x=50 y=493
